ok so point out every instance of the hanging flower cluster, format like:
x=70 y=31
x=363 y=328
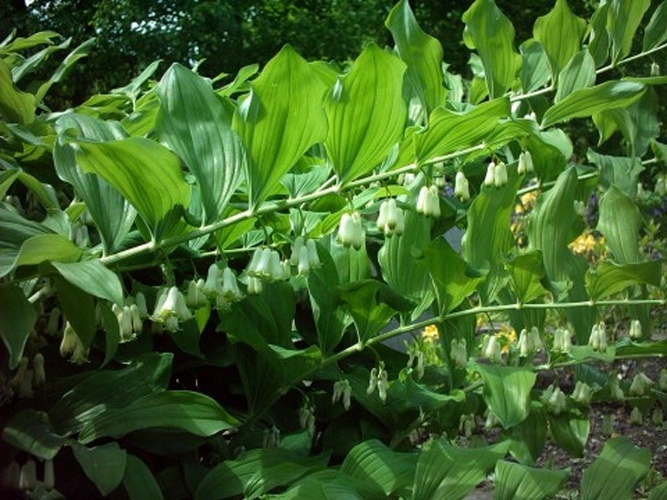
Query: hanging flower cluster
x=635 y=329
x=171 y=309
x=525 y=163
x=71 y=344
x=379 y=380
x=342 y=391
x=390 y=219
x=351 y=231
x=582 y=393
x=304 y=255
x=598 y=338
x=428 y=201
x=554 y=399
x=461 y=186
x=562 y=340
x=458 y=353
x=496 y=174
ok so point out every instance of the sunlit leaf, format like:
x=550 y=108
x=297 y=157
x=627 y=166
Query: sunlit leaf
x=365 y=304
x=15 y=106
x=196 y=124
x=619 y=171
x=587 y=102
x=492 y=34
x=609 y=278
x=47 y=247
x=535 y=71
x=560 y=32
x=623 y=20
x=93 y=277
x=616 y=472
x=570 y=432
x=599 y=41
x=620 y=222
x=279 y=120
x=528 y=439
x=519 y=482
x=578 y=74
x=422 y=53
x=366 y=113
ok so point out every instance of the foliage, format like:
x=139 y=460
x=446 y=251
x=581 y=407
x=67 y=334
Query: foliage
x=223 y=268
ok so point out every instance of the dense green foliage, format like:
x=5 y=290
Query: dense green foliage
x=200 y=279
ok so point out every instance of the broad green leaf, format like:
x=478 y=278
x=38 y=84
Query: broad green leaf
x=488 y=237
x=453 y=279
x=43 y=192
x=369 y=311
x=409 y=395
x=374 y=463
x=30 y=430
x=578 y=74
x=330 y=317
x=403 y=266
x=570 y=432
x=658 y=492
x=196 y=124
x=587 y=102
x=616 y=472
x=7 y=178
x=599 y=41
x=139 y=481
x=330 y=484
x=14 y=231
x=535 y=72
x=620 y=222
x=656 y=30
x=446 y=471
x=47 y=247
x=519 y=482
x=93 y=277
x=35 y=61
x=133 y=89
x=560 y=32
x=507 y=392
x=148 y=175
x=609 y=278
x=280 y=120
x=422 y=53
x=623 y=19
x=619 y=171
x=528 y=439
x=449 y=131
x=190 y=411
x=255 y=473
x=526 y=276
x=366 y=113
x=490 y=32
x=104 y=465
x=105 y=390
x=112 y=214
x=15 y=106
x=553 y=225
x=16 y=322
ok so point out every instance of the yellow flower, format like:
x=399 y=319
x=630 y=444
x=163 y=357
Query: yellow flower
x=506 y=336
x=431 y=333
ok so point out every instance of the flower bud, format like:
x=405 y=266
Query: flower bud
x=20 y=374
x=28 y=479
x=655 y=69
x=125 y=324
x=491 y=348
x=383 y=384
x=635 y=329
x=461 y=186
x=554 y=399
x=49 y=475
x=489 y=179
x=491 y=420
x=500 y=175
x=253 y=265
x=640 y=385
x=459 y=353
x=38 y=368
x=562 y=340
x=582 y=393
x=434 y=202
x=525 y=344
x=347 y=396
x=313 y=256
x=525 y=163
x=657 y=417
x=660 y=187
x=636 y=417
x=71 y=344
x=53 y=323
x=230 y=288
x=264 y=267
x=303 y=265
x=598 y=337
x=616 y=391
x=296 y=250
x=254 y=285
x=372 y=381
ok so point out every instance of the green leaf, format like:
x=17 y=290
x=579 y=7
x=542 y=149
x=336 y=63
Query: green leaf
x=620 y=222
x=104 y=465
x=526 y=274
x=373 y=463
x=47 y=247
x=599 y=41
x=369 y=311
x=113 y=215
x=535 y=72
x=489 y=238
x=658 y=492
x=620 y=171
x=507 y=392
x=615 y=474
x=623 y=19
x=366 y=113
x=656 y=30
x=490 y=32
x=609 y=278
x=578 y=74
x=422 y=53
x=449 y=131
x=518 y=482
x=16 y=322
x=570 y=432
x=196 y=124
x=93 y=277
x=255 y=473
x=587 y=102
x=446 y=471
x=280 y=120
x=78 y=307
x=62 y=69
x=105 y=390
x=30 y=430
x=186 y=410
x=330 y=484
x=560 y=32
x=15 y=106
x=454 y=280
x=528 y=439
x=139 y=168
x=139 y=481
